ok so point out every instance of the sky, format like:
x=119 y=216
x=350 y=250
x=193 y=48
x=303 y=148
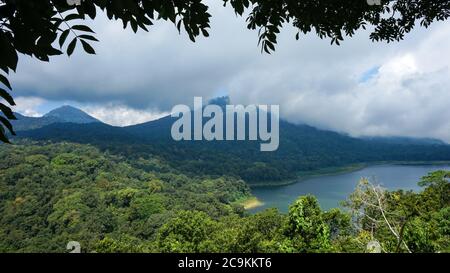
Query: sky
x=360 y=88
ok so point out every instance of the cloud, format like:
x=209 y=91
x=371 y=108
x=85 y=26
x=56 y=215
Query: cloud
x=121 y=115
x=360 y=87
x=28 y=106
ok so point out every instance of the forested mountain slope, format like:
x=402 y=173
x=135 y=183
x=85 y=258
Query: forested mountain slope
x=302 y=148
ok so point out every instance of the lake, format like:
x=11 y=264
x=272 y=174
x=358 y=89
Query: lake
x=331 y=189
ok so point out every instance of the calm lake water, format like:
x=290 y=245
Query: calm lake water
x=332 y=189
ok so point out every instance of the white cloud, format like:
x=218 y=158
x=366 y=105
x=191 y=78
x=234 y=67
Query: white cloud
x=28 y=106
x=120 y=115
x=110 y=113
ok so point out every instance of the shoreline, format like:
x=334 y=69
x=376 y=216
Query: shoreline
x=341 y=170
x=251 y=203
x=311 y=174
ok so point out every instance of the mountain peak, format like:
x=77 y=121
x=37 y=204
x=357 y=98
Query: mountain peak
x=67 y=113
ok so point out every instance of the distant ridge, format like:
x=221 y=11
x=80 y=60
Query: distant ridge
x=160 y=128
x=69 y=113
x=302 y=148
x=406 y=140
x=63 y=114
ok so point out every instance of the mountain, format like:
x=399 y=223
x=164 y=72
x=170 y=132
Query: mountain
x=23 y=123
x=62 y=114
x=68 y=113
x=406 y=140
x=302 y=149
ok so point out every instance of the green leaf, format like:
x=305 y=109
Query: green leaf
x=87 y=47
x=7 y=125
x=71 y=47
x=63 y=37
x=83 y=28
x=5 y=81
x=4 y=94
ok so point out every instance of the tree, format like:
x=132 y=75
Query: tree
x=372 y=207
x=306 y=226
x=32 y=27
x=189 y=231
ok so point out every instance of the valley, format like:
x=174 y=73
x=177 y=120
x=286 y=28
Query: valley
x=303 y=150
x=133 y=189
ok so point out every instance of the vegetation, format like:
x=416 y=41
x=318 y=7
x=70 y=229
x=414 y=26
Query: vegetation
x=303 y=150
x=33 y=27
x=51 y=194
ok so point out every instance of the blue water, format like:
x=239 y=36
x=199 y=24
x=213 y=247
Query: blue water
x=331 y=190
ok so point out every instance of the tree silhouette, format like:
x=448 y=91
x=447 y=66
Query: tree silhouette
x=41 y=28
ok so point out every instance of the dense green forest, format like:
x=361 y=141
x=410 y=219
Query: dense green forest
x=53 y=193
x=302 y=149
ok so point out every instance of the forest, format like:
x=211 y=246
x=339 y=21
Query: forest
x=53 y=193
x=302 y=149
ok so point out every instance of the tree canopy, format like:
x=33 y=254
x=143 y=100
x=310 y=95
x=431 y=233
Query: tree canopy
x=41 y=28
x=51 y=194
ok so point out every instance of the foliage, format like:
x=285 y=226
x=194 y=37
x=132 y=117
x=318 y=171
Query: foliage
x=303 y=150
x=306 y=226
x=51 y=194
x=56 y=193
x=405 y=221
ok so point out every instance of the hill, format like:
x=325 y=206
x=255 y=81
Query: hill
x=302 y=149
x=59 y=115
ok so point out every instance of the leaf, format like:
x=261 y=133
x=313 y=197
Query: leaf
x=71 y=47
x=63 y=37
x=179 y=26
x=270 y=45
x=87 y=47
x=47 y=39
x=52 y=51
x=83 y=28
x=3 y=136
x=88 y=37
x=72 y=17
x=4 y=94
x=4 y=68
x=134 y=25
x=5 y=81
x=7 y=111
x=90 y=10
x=7 y=125
x=9 y=57
x=142 y=26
